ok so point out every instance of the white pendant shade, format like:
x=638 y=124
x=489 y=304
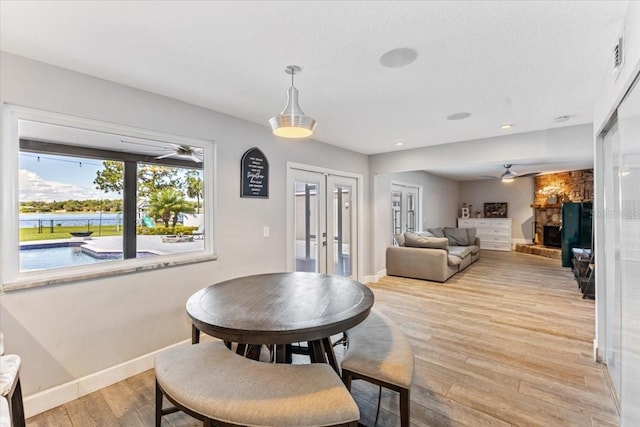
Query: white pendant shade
x=292 y=122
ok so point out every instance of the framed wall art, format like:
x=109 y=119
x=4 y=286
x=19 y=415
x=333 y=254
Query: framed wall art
x=254 y=174
x=495 y=210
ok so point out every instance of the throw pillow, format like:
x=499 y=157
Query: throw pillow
x=438 y=232
x=424 y=234
x=471 y=233
x=399 y=239
x=414 y=241
x=457 y=236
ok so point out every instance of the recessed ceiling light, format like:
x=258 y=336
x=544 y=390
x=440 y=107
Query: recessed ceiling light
x=400 y=57
x=561 y=119
x=506 y=126
x=458 y=116
x=399 y=143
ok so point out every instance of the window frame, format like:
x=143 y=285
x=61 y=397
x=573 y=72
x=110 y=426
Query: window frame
x=11 y=278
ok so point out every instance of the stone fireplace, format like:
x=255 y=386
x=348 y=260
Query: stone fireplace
x=549 y=193
x=551 y=235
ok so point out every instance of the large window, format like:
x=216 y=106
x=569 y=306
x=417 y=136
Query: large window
x=88 y=199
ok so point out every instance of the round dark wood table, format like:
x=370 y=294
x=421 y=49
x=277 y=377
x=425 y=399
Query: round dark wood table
x=280 y=309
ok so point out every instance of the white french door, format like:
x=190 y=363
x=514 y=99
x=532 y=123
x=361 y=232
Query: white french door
x=404 y=208
x=322 y=223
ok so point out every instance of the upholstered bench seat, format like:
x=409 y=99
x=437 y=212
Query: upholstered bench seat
x=11 y=389
x=9 y=373
x=380 y=353
x=5 y=417
x=209 y=380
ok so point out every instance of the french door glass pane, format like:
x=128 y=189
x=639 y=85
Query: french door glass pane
x=306 y=226
x=342 y=230
x=396 y=213
x=411 y=212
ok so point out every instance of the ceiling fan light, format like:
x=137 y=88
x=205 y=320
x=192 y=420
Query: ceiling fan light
x=292 y=122
x=508 y=175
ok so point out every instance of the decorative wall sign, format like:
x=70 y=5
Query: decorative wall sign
x=495 y=210
x=254 y=174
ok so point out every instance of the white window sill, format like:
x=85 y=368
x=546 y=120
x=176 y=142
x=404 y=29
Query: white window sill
x=66 y=275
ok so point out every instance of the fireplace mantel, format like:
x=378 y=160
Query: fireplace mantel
x=547 y=206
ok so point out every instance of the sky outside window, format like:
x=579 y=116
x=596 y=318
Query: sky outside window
x=46 y=177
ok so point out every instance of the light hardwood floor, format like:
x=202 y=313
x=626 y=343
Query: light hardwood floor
x=506 y=342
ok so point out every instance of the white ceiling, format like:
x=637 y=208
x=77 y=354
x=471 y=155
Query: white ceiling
x=523 y=62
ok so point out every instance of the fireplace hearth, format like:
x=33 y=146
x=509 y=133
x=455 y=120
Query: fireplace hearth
x=551 y=236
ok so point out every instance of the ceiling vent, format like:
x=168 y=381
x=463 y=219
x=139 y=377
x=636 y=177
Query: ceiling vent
x=618 y=57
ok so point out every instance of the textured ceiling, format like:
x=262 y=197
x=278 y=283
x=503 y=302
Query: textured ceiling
x=522 y=62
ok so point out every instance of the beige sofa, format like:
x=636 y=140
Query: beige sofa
x=427 y=257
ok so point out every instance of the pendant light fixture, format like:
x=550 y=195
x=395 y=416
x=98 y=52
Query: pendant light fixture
x=292 y=122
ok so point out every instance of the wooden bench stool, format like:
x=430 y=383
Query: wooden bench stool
x=219 y=387
x=379 y=352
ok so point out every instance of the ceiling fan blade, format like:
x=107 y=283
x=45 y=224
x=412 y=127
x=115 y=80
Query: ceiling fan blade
x=525 y=175
x=143 y=144
x=164 y=156
x=195 y=158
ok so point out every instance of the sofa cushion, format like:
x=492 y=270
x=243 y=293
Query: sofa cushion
x=437 y=232
x=399 y=239
x=475 y=249
x=460 y=251
x=471 y=232
x=412 y=240
x=453 y=260
x=425 y=234
x=457 y=236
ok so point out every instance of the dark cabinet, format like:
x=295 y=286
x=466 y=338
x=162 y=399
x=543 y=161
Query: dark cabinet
x=576 y=229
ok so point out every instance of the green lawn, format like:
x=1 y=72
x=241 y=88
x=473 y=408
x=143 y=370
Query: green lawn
x=62 y=232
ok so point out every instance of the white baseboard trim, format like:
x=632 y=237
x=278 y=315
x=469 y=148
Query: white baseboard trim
x=37 y=403
x=376 y=277
x=370 y=279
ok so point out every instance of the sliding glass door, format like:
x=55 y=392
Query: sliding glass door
x=611 y=267
x=619 y=285
x=629 y=258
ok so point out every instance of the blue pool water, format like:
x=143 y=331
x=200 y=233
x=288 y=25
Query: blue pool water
x=56 y=257
x=63 y=255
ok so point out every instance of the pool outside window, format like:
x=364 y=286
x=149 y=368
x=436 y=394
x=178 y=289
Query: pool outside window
x=97 y=199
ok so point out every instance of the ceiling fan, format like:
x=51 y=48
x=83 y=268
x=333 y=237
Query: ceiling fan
x=184 y=152
x=176 y=151
x=508 y=175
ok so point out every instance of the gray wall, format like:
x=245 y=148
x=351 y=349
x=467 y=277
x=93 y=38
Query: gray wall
x=69 y=331
x=440 y=201
x=518 y=194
